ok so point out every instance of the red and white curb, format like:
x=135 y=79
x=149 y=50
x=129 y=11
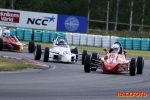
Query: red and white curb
x=27 y=61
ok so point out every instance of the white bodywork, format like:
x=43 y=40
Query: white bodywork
x=61 y=53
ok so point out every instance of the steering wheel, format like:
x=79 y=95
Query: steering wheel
x=118 y=43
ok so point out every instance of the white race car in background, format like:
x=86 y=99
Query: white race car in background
x=60 y=52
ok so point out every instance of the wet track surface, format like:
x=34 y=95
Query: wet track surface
x=69 y=82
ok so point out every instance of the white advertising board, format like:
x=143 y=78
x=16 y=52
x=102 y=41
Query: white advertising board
x=27 y=19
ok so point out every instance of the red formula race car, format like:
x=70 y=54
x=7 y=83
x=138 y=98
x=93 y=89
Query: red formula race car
x=114 y=61
x=9 y=42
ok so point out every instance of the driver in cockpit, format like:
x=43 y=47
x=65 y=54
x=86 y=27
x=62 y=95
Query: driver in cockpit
x=115 y=48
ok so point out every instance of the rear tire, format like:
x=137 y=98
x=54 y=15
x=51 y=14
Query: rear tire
x=140 y=65
x=75 y=51
x=132 y=67
x=87 y=63
x=84 y=53
x=1 y=44
x=37 y=52
x=95 y=56
x=46 y=54
x=31 y=47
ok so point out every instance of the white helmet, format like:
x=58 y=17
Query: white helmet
x=6 y=32
x=115 y=48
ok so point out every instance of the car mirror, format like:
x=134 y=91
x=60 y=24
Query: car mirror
x=53 y=39
x=125 y=51
x=105 y=49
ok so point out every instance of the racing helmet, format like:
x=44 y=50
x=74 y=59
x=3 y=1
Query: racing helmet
x=115 y=48
x=6 y=32
x=61 y=42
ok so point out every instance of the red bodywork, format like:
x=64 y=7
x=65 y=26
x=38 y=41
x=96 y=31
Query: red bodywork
x=114 y=62
x=17 y=46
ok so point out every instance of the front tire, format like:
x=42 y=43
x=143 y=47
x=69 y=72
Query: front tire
x=46 y=54
x=31 y=47
x=132 y=67
x=84 y=53
x=140 y=65
x=1 y=44
x=37 y=52
x=87 y=63
x=75 y=51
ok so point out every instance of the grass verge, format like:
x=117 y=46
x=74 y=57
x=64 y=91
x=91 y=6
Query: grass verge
x=12 y=65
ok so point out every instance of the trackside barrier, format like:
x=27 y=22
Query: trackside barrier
x=53 y=34
x=76 y=38
x=106 y=41
x=20 y=33
x=90 y=40
x=69 y=38
x=113 y=39
x=13 y=31
x=98 y=41
x=38 y=35
x=82 y=39
x=145 y=44
x=136 y=43
x=129 y=43
x=27 y=34
x=122 y=41
x=46 y=36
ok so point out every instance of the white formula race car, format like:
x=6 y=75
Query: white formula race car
x=60 y=52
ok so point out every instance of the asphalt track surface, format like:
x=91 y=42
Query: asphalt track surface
x=69 y=82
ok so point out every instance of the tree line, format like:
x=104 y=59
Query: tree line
x=97 y=8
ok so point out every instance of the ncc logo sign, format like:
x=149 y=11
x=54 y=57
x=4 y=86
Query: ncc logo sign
x=9 y=17
x=40 y=21
x=72 y=23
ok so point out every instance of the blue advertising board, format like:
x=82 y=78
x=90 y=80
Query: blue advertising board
x=71 y=23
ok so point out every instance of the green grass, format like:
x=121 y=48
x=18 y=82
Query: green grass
x=10 y=65
x=130 y=53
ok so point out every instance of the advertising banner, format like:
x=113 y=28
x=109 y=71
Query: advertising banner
x=38 y=20
x=48 y=21
x=72 y=23
x=26 y=19
x=9 y=17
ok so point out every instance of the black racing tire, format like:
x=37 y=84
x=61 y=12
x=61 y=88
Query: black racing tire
x=87 y=63
x=84 y=53
x=132 y=67
x=1 y=44
x=95 y=56
x=37 y=52
x=75 y=51
x=31 y=47
x=140 y=65
x=46 y=54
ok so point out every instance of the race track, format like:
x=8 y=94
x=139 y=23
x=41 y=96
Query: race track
x=69 y=82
